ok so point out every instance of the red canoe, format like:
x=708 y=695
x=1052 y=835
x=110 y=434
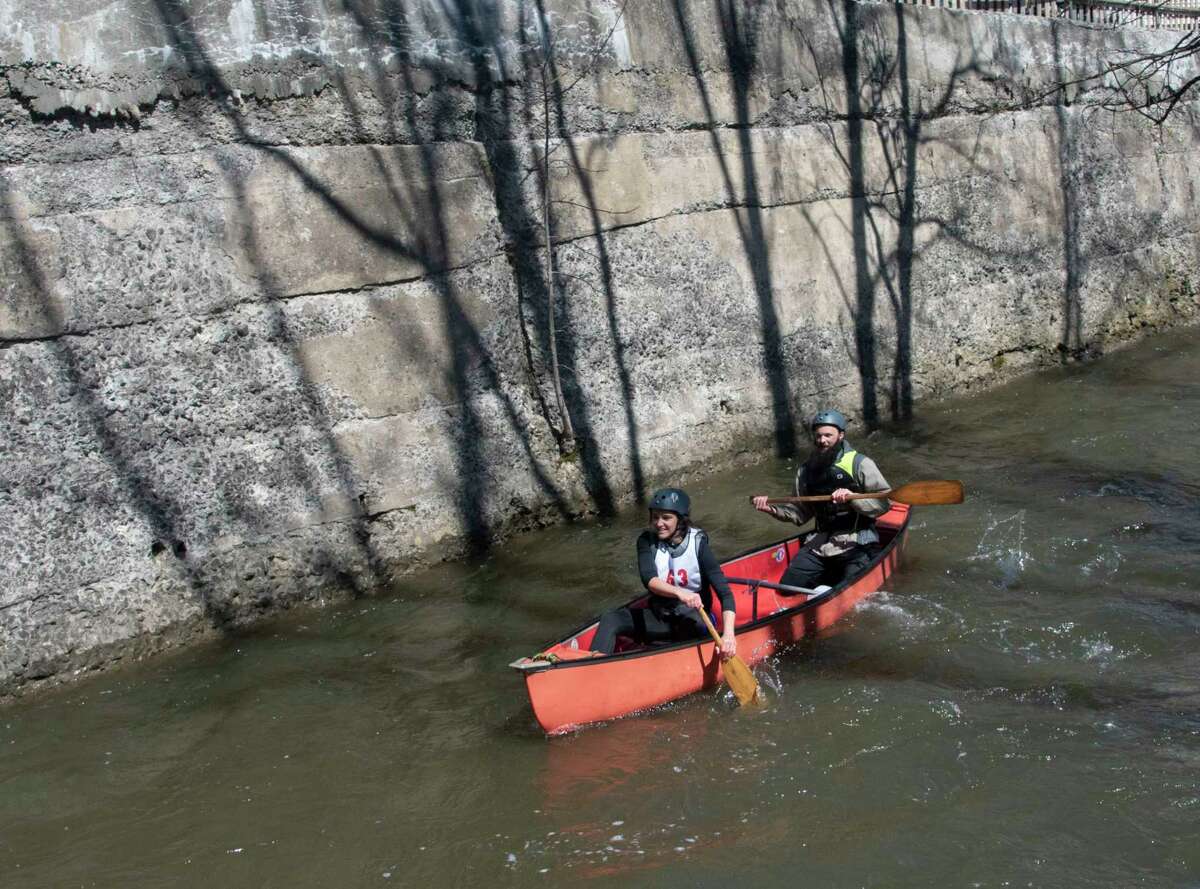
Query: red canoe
x=569 y=689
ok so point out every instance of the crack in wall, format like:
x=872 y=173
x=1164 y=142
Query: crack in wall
x=702 y=209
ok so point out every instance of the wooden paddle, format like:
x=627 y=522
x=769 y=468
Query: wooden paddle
x=941 y=492
x=737 y=674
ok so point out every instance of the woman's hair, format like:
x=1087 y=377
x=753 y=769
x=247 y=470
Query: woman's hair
x=683 y=523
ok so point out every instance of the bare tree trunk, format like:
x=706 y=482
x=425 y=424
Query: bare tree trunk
x=567 y=443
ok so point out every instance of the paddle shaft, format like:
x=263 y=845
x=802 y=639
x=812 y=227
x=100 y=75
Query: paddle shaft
x=737 y=674
x=711 y=629
x=942 y=492
x=825 y=498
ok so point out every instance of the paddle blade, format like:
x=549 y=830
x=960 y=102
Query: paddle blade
x=934 y=493
x=740 y=679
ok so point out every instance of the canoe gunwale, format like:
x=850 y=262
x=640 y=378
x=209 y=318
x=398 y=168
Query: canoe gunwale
x=783 y=614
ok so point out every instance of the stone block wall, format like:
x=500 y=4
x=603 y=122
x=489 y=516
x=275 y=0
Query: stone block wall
x=274 y=319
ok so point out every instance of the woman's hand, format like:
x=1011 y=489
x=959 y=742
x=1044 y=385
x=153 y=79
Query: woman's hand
x=688 y=598
x=728 y=646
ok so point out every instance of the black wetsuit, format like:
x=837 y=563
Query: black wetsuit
x=665 y=617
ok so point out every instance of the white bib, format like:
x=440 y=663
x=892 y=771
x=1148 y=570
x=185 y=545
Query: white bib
x=682 y=570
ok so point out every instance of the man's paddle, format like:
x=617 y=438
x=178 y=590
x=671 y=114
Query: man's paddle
x=737 y=674
x=942 y=492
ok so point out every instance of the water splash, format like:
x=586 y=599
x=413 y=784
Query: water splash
x=1066 y=642
x=1003 y=545
x=947 y=710
x=770 y=679
x=909 y=623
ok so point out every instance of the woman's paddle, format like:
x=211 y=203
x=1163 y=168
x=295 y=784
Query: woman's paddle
x=737 y=674
x=942 y=492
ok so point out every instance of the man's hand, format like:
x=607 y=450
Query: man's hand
x=728 y=646
x=841 y=495
x=760 y=503
x=688 y=598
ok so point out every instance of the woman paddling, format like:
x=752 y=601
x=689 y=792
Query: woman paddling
x=680 y=571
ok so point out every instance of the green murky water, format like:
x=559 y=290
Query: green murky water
x=1020 y=708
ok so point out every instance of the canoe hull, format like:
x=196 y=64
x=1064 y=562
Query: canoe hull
x=573 y=693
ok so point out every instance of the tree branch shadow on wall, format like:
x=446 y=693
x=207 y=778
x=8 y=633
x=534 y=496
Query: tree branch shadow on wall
x=131 y=466
x=134 y=469
x=423 y=213
x=433 y=242
x=500 y=124
x=887 y=122
x=580 y=167
x=498 y=128
x=739 y=25
x=898 y=143
x=1071 y=340
x=157 y=509
x=879 y=118
x=495 y=120
x=421 y=210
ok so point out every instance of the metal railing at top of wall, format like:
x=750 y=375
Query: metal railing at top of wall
x=1175 y=15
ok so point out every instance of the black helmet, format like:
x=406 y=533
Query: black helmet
x=671 y=500
x=829 y=418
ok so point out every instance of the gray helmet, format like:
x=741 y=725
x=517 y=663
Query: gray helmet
x=829 y=418
x=671 y=500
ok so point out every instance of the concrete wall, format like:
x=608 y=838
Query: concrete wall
x=273 y=311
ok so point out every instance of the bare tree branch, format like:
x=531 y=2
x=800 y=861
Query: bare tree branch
x=1145 y=83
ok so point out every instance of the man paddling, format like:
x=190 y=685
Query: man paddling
x=845 y=539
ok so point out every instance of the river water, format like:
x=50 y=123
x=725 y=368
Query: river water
x=1021 y=706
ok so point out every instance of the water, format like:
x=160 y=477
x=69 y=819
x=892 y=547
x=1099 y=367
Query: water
x=1021 y=707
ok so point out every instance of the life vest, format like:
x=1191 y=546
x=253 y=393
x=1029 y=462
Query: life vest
x=844 y=472
x=678 y=566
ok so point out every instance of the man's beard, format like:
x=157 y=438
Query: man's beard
x=819 y=459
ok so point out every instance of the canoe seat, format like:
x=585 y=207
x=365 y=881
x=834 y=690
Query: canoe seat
x=783 y=603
